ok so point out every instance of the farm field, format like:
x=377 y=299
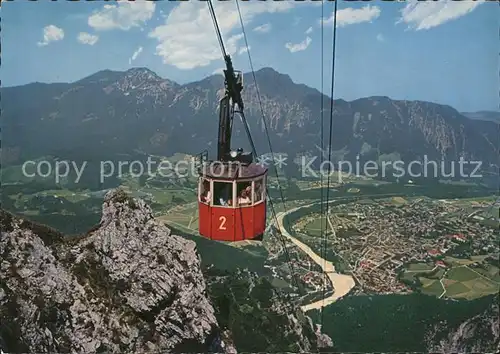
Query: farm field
x=431 y=286
x=398 y=200
x=466 y=279
x=314 y=226
x=490 y=271
x=454 y=262
x=466 y=283
x=420 y=267
x=185 y=217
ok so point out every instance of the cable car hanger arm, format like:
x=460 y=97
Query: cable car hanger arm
x=232 y=97
x=233 y=85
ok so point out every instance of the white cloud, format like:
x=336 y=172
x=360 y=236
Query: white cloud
x=135 y=55
x=299 y=46
x=244 y=50
x=187 y=39
x=263 y=28
x=380 y=37
x=351 y=16
x=87 y=38
x=422 y=16
x=124 y=15
x=309 y=30
x=51 y=33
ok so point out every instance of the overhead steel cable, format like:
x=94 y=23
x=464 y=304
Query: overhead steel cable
x=254 y=152
x=270 y=149
x=283 y=242
x=260 y=104
x=217 y=30
x=322 y=143
x=334 y=45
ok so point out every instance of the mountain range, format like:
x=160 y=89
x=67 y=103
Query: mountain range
x=112 y=113
x=484 y=115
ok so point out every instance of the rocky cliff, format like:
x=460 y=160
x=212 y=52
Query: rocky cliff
x=479 y=334
x=130 y=286
x=260 y=319
x=127 y=286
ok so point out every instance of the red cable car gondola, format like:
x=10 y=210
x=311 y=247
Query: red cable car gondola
x=232 y=189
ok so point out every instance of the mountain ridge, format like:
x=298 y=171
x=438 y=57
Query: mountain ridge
x=493 y=116
x=108 y=75
x=137 y=110
x=248 y=75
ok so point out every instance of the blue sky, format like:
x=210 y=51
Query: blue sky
x=444 y=51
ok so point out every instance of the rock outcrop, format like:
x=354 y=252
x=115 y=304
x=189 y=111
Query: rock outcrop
x=479 y=334
x=259 y=317
x=126 y=286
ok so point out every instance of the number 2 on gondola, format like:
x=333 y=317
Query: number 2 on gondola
x=222 y=225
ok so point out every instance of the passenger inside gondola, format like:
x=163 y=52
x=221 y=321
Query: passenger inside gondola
x=223 y=193
x=258 y=190
x=206 y=194
x=244 y=193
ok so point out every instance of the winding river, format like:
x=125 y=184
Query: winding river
x=342 y=283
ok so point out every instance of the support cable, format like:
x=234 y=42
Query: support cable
x=330 y=133
x=281 y=237
x=221 y=43
x=322 y=144
x=217 y=30
x=266 y=129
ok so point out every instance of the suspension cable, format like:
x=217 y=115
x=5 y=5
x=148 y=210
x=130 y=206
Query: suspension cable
x=330 y=134
x=287 y=255
x=322 y=215
x=217 y=30
x=266 y=129
x=254 y=152
x=281 y=238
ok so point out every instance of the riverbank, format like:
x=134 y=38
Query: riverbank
x=341 y=283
